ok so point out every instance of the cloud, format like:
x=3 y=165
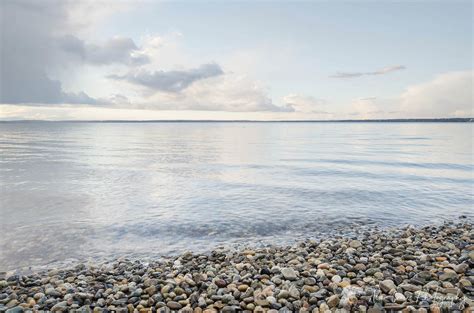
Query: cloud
x=382 y=71
x=306 y=104
x=43 y=46
x=77 y=98
x=229 y=92
x=367 y=108
x=41 y=43
x=29 y=33
x=447 y=95
x=170 y=81
x=35 y=36
x=119 y=50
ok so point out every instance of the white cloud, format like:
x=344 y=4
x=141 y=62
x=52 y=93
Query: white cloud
x=366 y=108
x=447 y=95
x=305 y=104
x=161 y=48
x=229 y=92
x=84 y=16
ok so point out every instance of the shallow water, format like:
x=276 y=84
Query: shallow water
x=101 y=190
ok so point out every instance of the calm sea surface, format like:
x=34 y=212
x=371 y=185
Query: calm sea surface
x=79 y=191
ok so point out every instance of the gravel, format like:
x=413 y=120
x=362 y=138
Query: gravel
x=428 y=269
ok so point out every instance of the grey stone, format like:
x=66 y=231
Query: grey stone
x=289 y=273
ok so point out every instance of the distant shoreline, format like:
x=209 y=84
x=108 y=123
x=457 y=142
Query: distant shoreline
x=413 y=120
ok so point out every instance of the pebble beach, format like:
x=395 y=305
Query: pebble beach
x=424 y=269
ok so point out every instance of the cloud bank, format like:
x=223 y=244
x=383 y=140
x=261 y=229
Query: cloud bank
x=448 y=94
x=40 y=39
x=31 y=33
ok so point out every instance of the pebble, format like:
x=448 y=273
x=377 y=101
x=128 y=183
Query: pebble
x=406 y=269
x=333 y=301
x=293 y=292
x=284 y=294
x=355 y=244
x=410 y=287
x=400 y=298
x=174 y=305
x=336 y=279
x=289 y=273
x=17 y=309
x=243 y=288
x=387 y=285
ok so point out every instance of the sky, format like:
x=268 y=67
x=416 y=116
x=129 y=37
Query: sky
x=264 y=60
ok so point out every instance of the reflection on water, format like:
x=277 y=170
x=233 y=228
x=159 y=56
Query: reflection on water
x=92 y=190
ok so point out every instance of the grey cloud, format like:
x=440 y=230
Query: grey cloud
x=116 y=50
x=31 y=49
x=27 y=54
x=347 y=75
x=382 y=71
x=170 y=81
x=77 y=98
x=388 y=70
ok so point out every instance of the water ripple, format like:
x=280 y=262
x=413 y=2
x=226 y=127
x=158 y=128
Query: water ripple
x=92 y=190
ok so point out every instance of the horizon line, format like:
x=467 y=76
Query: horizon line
x=439 y=120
